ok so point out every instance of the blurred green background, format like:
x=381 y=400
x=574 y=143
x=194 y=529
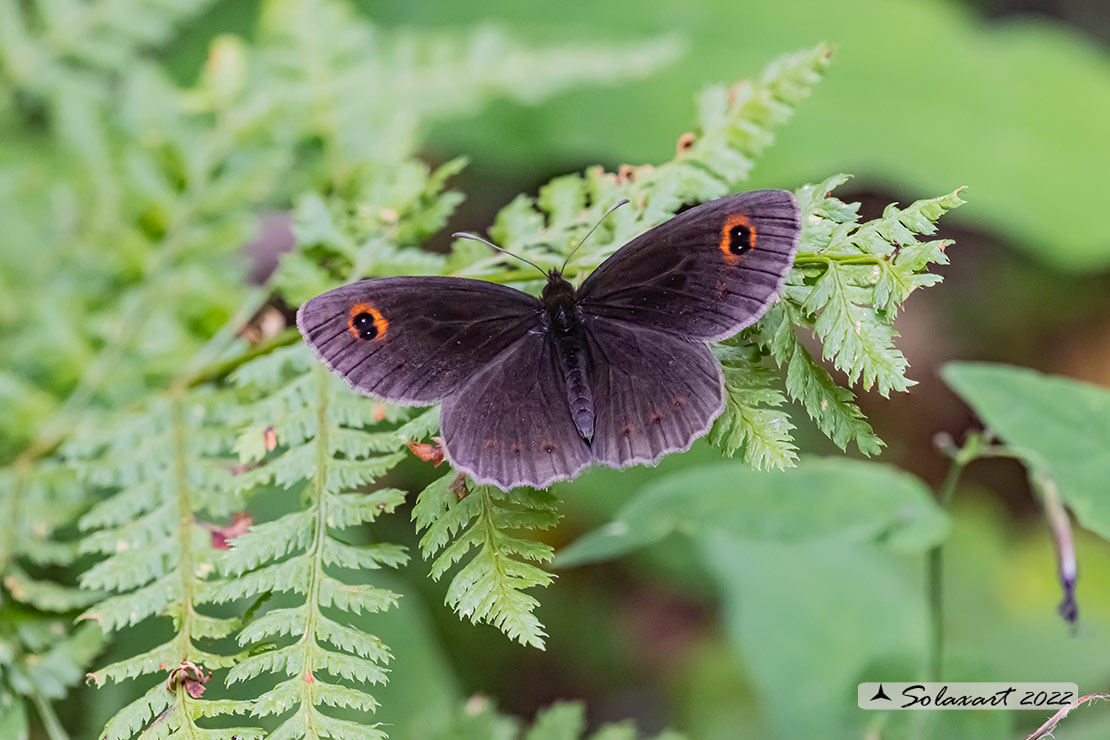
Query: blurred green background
x=1009 y=98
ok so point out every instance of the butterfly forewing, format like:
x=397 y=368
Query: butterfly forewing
x=413 y=340
x=510 y=424
x=705 y=274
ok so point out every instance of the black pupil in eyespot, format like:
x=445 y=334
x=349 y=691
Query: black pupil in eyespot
x=364 y=325
x=739 y=239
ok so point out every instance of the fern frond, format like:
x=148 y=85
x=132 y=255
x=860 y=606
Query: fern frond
x=831 y=406
x=824 y=292
x=490 y=587
x=753 y=419
x=737 y=124
x=858 y=274
x=130 y=720
x=43 y=594
x=157 y=564
x=41 y=654
x=36 y=503
x=304 y=552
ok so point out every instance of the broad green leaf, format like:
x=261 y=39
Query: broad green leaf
x=820 y=498
x=1059 y=427
x=810 y=620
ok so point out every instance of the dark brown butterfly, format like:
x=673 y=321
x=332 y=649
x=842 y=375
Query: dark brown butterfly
x=616 y=372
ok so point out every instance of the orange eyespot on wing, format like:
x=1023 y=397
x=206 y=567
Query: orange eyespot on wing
x=737 y=237
x=366 y=322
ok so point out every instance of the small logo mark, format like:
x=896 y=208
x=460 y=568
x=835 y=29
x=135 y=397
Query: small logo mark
x=880 y=694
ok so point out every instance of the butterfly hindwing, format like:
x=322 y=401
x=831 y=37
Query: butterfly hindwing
x=510 y=424
x=654 y=393
x=414 y=340
x=705 y=274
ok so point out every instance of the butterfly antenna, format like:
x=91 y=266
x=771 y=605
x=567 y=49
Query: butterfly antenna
x=491 y=245
x=612 y=208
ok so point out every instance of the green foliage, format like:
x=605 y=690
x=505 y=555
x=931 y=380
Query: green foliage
x=1059 y=428
x=490 y=586
x=786 y=601
x=360 y=78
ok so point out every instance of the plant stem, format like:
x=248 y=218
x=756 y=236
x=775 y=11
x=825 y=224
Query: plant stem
x=934 y=566
x=185 y=516
x=817 y=258
x=219 y=370
x=319 y=491
x=935 y=581
x=50 y=722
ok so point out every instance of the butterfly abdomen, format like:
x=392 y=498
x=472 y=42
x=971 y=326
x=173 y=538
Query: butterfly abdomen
x=572 y=351
x=568 y=333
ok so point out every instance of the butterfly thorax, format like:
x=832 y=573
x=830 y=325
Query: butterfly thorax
x=568 y=333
